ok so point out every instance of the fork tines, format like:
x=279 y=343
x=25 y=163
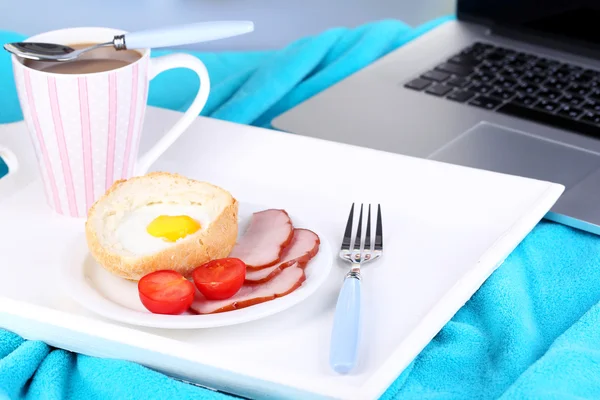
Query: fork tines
x=347 y=242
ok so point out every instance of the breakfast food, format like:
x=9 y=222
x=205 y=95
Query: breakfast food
x=303 y=247
x=220 y=279
x=269 y=232
x=268 y=283
x=177 y=238
x=284 y=283
x=166 y=292
x=161 y=221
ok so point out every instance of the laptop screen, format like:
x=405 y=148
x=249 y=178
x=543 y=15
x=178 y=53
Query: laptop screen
x=571 y=21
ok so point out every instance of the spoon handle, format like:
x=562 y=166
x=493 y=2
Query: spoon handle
x=187 y=34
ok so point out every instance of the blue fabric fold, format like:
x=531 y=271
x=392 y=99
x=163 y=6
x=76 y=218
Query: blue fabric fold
x=531 y=331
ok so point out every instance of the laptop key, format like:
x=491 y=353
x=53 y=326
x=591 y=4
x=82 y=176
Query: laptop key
x=593 y=84
x=456 y=69
x=418 y=84
x=485 y=77
x=489 y=68
x=562 y=72
x=437 y=76
x=553 y=64
x=510 y=73
x=485 y=102
x=481 y=88
x=549 y=93
x=547 y=105
x=461 y=95
x=578 y=89
x=544 y=63
x=503 y=94
x=529 y=58
x=465 y=59
x=553 y=120
x=556 y=84
x=458 y=82
x=476 y=49
x=592 y=105
x=595 y=95
x=438 y=89
x=591 y=117
x=515 y=62
x=525 y=99
x=539 y=69
x=580 y=78
x=572 y=99
x=569 y=111
x=506 y=83
x=526 y=88
x=533 y=78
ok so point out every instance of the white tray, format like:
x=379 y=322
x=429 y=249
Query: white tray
x=446 y=228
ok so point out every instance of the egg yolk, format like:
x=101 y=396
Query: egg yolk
x=172 y=227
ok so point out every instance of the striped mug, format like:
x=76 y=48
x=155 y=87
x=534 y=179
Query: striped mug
x=86 y=128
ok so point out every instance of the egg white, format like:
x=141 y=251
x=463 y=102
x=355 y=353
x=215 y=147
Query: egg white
x=132 y=233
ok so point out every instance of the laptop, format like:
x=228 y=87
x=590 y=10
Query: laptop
x=508 y=86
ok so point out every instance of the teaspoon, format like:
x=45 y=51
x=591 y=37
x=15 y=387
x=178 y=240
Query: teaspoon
x=153 y=38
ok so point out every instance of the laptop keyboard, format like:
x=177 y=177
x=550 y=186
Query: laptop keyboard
x=518 y=84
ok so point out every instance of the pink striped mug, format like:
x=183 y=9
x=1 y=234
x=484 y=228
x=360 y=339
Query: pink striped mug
x=86 y=128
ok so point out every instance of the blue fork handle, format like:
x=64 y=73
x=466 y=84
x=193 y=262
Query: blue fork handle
x=346 y=327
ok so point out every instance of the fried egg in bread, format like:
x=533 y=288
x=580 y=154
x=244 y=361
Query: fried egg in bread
x=161 y=221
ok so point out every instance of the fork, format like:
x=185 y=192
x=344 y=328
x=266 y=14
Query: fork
x=346 y=323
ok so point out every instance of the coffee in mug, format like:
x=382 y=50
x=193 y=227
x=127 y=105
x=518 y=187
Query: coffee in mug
x=98 y=60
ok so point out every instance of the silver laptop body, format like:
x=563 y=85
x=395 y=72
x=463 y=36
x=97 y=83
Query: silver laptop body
x=478 y=110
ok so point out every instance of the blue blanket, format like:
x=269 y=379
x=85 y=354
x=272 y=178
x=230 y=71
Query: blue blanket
x=531 y=331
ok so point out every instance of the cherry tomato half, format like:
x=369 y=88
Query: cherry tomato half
x=166 y=292
x=220 y=279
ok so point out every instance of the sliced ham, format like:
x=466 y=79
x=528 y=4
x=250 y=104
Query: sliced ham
x=303 y=247
x=269 y=232
x=284 y=283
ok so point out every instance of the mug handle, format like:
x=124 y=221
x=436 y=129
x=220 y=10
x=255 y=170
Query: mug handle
x=161 y=64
